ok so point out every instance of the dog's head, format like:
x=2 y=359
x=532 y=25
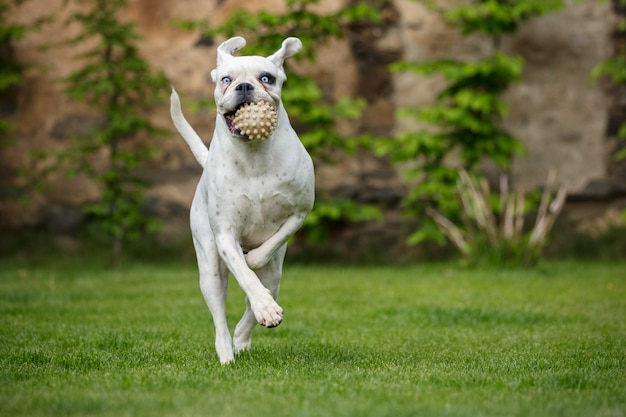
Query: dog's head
x=248 y=79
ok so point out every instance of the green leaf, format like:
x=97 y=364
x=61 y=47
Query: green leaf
x=613 y=69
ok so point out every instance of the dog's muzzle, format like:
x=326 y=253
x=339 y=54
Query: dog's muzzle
x=230 y=117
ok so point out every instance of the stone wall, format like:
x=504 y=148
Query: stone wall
x=558 y=113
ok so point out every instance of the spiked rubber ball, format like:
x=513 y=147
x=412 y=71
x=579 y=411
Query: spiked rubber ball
x=256 y=120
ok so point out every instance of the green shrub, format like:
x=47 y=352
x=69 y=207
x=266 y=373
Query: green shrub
x=10 y=69
x=117 y=83
x=465 y=122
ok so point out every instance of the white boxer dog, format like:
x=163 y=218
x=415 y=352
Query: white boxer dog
x=252 y=196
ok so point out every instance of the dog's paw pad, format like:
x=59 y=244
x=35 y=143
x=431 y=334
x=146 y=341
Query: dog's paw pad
x=272 y=325
x=256 y=120
x=270 y=315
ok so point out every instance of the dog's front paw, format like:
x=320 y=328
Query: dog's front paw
x=267 y=312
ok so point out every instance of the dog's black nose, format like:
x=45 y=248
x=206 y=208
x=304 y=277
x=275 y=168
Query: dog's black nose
x=244 y=87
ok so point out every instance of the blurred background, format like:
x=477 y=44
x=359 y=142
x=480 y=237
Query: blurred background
x=392 y=99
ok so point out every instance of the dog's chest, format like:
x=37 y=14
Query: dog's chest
x=254 y=208
x=266 y=205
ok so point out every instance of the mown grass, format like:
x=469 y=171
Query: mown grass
x=422 y=340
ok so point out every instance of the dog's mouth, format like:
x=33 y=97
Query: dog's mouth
x=230 y=122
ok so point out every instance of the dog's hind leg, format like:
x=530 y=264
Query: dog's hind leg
x=213 y=284
x=213 y=278
x=242 y=338
x=270 y=275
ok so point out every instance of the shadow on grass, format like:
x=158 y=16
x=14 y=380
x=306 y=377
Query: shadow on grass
x=300 y=355
x=464 y=316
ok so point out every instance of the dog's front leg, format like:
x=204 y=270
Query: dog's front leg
x=270 y=276
x=266 y=311
x=259 y=257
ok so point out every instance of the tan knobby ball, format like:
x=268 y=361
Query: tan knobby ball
x=256 y=120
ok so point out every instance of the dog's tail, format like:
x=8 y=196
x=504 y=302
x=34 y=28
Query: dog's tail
x=198 y=148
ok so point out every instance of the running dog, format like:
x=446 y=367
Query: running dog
x=253 y=194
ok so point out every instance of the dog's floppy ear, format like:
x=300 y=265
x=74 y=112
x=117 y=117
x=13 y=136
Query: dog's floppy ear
x=290 y=47
x=228 y=48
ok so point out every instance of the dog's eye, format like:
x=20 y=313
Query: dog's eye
x=267 y=79
x=226 y=80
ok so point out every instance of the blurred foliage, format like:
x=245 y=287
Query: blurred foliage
x=498 y=17
x=119 y=85
x=463 y=128
x=463 y=125
x=314 y=116
x=11 y=70
x=492 y=228
x=11 y=77
x=601 y=238
x=614 y=70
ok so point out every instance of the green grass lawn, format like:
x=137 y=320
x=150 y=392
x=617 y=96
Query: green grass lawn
x=422 y=340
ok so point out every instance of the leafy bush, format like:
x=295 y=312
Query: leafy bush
x=117 y=83
x=465 y=122
x=11 y=70
x=11 y=76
